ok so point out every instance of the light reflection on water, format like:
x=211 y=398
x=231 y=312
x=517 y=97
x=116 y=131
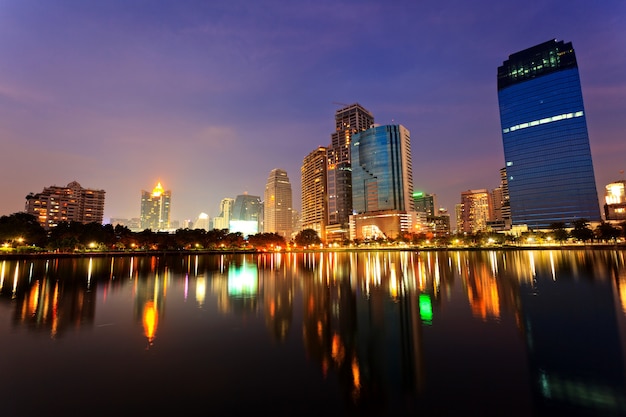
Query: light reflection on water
x=516 y=333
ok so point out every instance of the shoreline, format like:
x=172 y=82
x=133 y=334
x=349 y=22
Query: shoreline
x=89 y=254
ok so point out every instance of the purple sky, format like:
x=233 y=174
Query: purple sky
x=208 y=97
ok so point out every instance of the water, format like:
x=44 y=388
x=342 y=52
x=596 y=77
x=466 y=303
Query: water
x=449 y=333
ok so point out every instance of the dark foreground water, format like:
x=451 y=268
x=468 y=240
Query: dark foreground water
x=491 y=333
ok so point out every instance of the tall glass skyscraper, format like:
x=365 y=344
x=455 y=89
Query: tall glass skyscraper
x=544 y=132
x=382 y=170
x=382 y=183
x=247 y=215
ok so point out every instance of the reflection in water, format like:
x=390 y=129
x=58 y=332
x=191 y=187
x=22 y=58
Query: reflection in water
x=150 y=321
x=386 y=326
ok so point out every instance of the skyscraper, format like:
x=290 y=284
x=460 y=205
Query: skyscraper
x=348 y=121
x=425 y=203
x=382 y=170
x=71 y=203
x=544 y=132
x=277 y=204
x=314 y=196
x=475 y=211
x=222 y=221
x=382 y=182
x=615 y=201
x=155 y=209
x=246 y=215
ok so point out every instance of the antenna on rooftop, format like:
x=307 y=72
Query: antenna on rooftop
x=341 y=104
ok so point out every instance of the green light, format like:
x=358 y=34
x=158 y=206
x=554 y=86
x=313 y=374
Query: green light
x=426 y=308
x=418 y=194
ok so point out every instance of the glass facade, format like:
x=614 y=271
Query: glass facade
x=544 y=131
x=382 y=177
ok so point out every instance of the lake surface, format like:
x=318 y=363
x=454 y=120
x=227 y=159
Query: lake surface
x=448 y=333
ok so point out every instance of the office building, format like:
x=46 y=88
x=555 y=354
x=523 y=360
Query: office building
x=222 y=221
x=425 y=203
x=277 y=204
x=202 y=222
x=155 y=209
x=348 y=121
x=71 y=203
x=431 y=221
x=615 y=201
x=246 y=216
x=382 y=183
x=314 y=196
x=475 y=211
x=544 y=132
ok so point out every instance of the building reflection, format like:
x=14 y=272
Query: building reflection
x=365 y=316
x=573 y=342
x=277 y=295
x=44 y=303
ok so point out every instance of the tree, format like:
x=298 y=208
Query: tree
x=22 y=226
x=265 y=240
x=581 y=230
x=559 y=231
x=606 y=231
x=307 y=237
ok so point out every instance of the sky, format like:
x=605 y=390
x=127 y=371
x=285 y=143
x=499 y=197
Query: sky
x=207 y=97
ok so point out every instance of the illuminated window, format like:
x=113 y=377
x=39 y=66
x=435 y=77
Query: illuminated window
x=542 y=121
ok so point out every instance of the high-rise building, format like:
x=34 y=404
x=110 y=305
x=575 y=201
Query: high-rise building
x=277 y=204
x=382 y=182
x=155 y=209
x=615 y=201
x=475 y=211
x=71 y=203
x=222 y=221
x=247 y=214
x=544 y=132
x=348 y=121
x=314 y=196
x=425 y=203
x=433 y=221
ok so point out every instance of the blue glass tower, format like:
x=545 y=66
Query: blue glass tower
x=544 y=132
x=382 y=172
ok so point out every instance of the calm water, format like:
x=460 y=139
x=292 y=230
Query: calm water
x=491 y=333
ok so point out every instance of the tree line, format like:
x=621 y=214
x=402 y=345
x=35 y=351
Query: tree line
x=22 y=232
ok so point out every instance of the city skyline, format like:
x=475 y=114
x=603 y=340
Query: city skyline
x=208 y=98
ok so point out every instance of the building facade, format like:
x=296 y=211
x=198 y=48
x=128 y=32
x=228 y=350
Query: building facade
x=425 y=203
x=247 y=215
x=382 y=179
x=476 y=211
x=277 y=204
x=314 y=197
x=71 y=203
x=348 y=121
x=615 y=201
x=549 y=168
x=155 y=209
x=222 y=221
x=203 y=222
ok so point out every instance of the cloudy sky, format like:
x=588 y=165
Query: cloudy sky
x=208 y=97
